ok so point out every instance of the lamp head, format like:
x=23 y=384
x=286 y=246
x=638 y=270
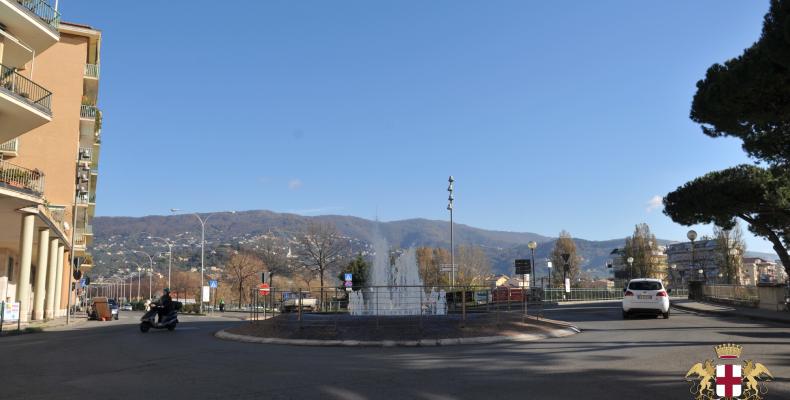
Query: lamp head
x=692 y=235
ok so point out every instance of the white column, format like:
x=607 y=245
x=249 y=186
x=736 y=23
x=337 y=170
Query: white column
x=59 y=282
x=52 y=271
x=25 y=259
x=40 y=288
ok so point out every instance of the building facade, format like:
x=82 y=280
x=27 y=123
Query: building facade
x=49 y=142
x=757 y=270
x=706 y=255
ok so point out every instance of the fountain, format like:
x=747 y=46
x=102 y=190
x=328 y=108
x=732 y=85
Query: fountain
x=395 y=289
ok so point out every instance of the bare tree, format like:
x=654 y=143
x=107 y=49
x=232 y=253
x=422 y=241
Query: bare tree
x=242 y=269
x=321 y=249
x=731 y=248
x=473 y=266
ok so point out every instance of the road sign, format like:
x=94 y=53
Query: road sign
x=448 y=268
x=10 y=311
x=348 y=283
x=263 y=289
x=523 y=267
x=212 y=284
x=206 y=294
x=348 y=277
x=567 y=285
x=82 y=283
x=566 y=257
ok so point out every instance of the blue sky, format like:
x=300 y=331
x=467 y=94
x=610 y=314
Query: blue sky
x=550 y=114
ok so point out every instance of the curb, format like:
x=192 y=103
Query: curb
x=526 y=337
x=734 y=313
x=561 y=329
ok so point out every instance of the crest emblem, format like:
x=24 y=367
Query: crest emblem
x=741 y=381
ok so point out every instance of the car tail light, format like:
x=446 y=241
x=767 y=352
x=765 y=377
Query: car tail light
x=661 y=294
x=629 y=293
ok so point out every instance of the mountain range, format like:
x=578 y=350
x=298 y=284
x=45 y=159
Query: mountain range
x=502 y=247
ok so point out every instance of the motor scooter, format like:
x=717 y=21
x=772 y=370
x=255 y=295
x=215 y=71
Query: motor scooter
x=169 y=321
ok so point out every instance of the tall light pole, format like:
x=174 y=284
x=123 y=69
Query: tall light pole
x=630 y=267
x=450 y=200
x=202 y=248
x=532 y=245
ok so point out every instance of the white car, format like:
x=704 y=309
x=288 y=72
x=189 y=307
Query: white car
x=645 y=296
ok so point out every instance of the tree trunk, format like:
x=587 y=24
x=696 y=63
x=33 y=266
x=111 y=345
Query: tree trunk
x=779 y=248
x=321 y=279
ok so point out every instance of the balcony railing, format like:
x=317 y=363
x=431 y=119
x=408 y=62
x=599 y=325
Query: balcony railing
x=92 y=70
x=20 y=178
x=83 y=199
x=86 y=154
x=57 y=214
x=88 y=112
x=88 y=230
x=43 y=10
x=25 y=89
x=11 y=146
x=79 y=239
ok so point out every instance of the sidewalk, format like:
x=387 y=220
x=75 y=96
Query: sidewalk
x=725 y=310
x=78 y=318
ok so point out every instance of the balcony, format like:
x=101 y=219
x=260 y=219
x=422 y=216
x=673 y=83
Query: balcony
x=43 y=10
x=85 y=154
x=92 y=71
x=10 y=148
x=21 y=179
x=24 y=105
x=34 y=22
x=88 y=112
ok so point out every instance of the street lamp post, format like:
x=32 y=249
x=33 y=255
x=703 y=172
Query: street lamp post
x=450 y=200
x=532 y=245
x=630 y=268
x=692 y=236
x=202 y=248
x=169 y=245
x=548 y=265
x=674 y=273
x=139 y=272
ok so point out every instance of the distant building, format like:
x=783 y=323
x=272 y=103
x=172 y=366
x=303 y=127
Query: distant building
x=707 y=255
x=497 y=280
x=758 y=270
x=621 y=268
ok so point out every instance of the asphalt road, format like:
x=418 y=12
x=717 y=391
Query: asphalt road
x=639 y=358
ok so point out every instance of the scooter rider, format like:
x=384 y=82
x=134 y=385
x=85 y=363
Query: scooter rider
x=165 y=304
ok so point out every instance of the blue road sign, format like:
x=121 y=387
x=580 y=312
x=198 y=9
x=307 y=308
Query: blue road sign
x=212 y=284
x=82 y=282
x=348 y=277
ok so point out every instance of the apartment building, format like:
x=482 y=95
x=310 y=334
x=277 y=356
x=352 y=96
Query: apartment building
x=706 y=255
x=50 y=131
x=758 y=270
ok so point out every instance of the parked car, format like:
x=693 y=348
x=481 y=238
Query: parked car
x=127 y=307
x=645 y=296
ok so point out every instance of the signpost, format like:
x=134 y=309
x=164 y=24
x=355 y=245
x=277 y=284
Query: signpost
x=9 y=312
x=349 y=281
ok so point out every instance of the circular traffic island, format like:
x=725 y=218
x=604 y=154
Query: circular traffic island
x=316 y=329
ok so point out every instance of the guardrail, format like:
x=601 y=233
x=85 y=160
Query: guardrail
x=731 y=292
x=92 y=70
x=21 y=178
x=43 y=10
x=25 y=89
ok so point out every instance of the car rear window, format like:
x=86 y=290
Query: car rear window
x=645 y=285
